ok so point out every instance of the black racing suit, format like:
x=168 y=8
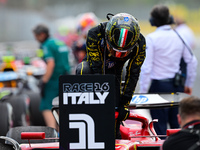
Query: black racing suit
x=95 y=57
x=95 y=47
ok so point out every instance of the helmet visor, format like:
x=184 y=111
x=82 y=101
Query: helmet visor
x=118 y=53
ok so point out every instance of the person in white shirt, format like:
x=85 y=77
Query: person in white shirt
x=164 y=50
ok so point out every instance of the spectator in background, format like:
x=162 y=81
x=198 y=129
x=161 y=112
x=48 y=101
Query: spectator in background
x=189 y=119
x=164 y=50
x=86 y=21
x=56 y=57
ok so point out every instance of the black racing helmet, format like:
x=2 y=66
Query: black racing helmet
x=122 y=34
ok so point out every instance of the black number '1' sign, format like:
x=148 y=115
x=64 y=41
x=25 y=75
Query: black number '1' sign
x=87 y=106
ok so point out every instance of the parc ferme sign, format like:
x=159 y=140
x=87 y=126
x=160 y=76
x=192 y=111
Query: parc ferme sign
x=87 y=112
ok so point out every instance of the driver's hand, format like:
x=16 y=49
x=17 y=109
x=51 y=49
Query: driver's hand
x=123 y=113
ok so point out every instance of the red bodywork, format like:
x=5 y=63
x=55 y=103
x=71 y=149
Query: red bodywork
x=137 y=133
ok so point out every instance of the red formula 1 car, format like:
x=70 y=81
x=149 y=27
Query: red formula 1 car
x=137 y=132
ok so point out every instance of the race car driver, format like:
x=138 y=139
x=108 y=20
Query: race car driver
x=109 y=46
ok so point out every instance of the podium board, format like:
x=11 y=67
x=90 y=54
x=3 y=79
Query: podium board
x=87 y=112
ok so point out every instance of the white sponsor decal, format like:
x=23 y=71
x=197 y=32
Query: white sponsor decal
x=85 y=124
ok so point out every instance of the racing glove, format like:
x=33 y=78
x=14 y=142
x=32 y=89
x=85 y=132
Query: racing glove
x=123 y=108
x=42 y=88
x=123 y=113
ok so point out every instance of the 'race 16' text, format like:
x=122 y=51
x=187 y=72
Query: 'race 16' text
x=85 y=93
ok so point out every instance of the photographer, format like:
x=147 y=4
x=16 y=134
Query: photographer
x=189 y=119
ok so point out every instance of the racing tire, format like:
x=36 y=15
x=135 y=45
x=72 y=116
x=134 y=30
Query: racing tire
x=36 y=117
x=4 y=146
x=19 y=105
x=5 y=117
